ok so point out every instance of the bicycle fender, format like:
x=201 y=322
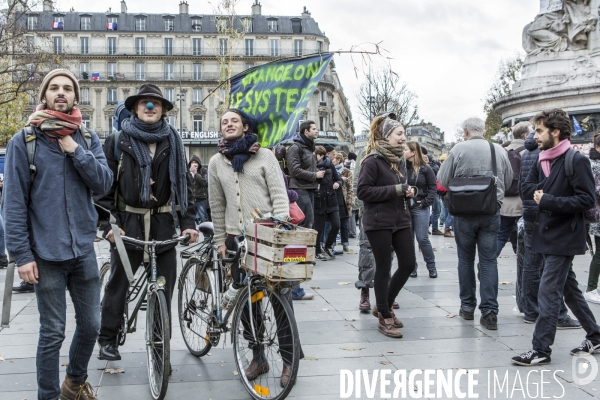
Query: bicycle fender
x=122 y=253
x=6 y=304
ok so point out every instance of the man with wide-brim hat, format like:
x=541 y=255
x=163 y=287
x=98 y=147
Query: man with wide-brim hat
x=149 y=195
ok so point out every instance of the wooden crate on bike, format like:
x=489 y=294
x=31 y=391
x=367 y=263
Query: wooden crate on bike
x=281 y=255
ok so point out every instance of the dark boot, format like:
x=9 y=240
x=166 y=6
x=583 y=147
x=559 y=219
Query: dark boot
x=365 y=303
x=76 y=391
x=436 y=232
x=109 y=352
x=386 y=326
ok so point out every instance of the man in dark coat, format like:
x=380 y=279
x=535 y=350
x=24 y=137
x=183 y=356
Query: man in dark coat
x=559 y=233
x=147 y=199
x=198 y=180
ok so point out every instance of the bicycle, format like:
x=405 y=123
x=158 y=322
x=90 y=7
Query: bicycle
x=158 y=327
x=258 y=309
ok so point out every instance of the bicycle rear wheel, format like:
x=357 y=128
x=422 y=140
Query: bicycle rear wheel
x=195 y=305
x=158 y=336
x=277 y=340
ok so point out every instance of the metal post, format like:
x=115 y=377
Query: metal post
x=180 y=98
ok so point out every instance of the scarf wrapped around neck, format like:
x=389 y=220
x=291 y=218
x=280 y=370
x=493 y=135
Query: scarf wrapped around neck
x=55 y=124
x=547 y=156
x=394 y=154
x=140 y=135
x=239 y=151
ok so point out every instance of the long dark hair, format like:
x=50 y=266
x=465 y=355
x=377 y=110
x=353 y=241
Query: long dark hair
x=418 y=160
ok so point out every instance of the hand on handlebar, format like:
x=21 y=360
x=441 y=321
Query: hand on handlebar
x=193 y=235
x=222 y=250
x=111 y=237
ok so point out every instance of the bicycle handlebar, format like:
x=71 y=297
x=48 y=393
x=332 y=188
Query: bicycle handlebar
x=182 y=239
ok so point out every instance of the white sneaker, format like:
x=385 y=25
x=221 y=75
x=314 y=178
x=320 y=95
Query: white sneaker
x=592 y=297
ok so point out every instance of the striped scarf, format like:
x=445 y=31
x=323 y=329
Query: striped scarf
x=55 y=123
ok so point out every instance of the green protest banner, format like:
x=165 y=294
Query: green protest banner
x=276 y=94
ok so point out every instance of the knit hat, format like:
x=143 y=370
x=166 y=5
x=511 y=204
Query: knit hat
x=352 y=156
x=443 y=157
x=329 y=148
x=53 y=74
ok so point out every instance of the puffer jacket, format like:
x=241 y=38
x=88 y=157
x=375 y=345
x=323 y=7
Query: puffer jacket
x=529 y=159
x=301 y=162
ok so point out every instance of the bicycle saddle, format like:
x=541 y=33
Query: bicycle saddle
x=207 y=228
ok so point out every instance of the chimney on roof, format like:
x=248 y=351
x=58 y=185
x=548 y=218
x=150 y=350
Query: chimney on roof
x=306 y=13
x=184 y=8
x=123 y=7
x=48 y=5
x=256 y=8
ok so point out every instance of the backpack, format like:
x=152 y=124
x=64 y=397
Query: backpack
x=592 y=215
x=514 y=157
x=30 y=139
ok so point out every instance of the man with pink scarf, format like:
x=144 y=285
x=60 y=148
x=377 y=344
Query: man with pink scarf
x=559 y=234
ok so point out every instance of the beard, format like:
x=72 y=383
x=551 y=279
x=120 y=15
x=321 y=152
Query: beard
x=546 y=144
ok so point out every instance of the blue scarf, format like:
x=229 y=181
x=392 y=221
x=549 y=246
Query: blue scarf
x=239 y=151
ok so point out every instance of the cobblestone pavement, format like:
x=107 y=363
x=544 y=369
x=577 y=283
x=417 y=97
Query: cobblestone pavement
x=336 y=336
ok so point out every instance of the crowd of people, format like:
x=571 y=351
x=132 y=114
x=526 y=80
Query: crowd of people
x=390 y=195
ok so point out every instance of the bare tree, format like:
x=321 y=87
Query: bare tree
x=509 y=71
x=382 y=91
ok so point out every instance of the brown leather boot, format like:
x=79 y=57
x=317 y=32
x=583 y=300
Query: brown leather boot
x=397 y=322
x=448 y=233
x=365 y=304
x=76 y=391
x=386 y=326
x=255 y=370
x=286 y=374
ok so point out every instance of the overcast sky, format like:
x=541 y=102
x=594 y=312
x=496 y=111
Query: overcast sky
x=447 y=51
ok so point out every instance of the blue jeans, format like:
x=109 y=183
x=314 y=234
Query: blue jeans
x=558 y=280
x=477 y=233
x=507 y=224
x=297 y=292
x=436 y=208
x=446 y=218
x=528 y=289
x=420 y=220
x=201 y=214
x=82 y=277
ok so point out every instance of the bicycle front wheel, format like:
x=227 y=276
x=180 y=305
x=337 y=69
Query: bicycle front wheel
x=265 y=334
x=158 y=336
x=104 y=275
x=195 y=305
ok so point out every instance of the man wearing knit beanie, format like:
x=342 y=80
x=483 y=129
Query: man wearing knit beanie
x=54 y=251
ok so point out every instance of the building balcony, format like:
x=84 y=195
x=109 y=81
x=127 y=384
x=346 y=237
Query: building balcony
x=155 y=76
x=206 y=51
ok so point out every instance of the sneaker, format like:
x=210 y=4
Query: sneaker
x=307 y=296
x=322 y=257
x=568 y=323
x=437 y=232
x=330 y=253
x=592 y=297
x=395 y=305
x=347 y=248
x=414 y=273
x=24 y=287
x=586 y=347
x=531 y=358
x=490 y=321
x=468 y=316
x=529 y=320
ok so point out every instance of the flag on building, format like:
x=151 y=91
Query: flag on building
x=111 y=26
x=95 y=76
x=31 y=77
x=57 y=25
x=276 y=95
x=577 y=127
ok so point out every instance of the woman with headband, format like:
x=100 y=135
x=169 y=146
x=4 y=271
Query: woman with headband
x=386 y=218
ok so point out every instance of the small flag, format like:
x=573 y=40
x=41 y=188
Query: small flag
x=95 y=76
x=111 y=26
x=57 y=25
x=31 y=77
x=577 y=127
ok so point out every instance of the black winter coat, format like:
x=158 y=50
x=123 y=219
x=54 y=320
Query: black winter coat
x=559 y=227
x=529 y=159
x=384 y=207
x=162 y=225
x=425 y=183
x=326 y=196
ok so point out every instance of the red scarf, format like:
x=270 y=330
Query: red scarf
x=55 y=123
